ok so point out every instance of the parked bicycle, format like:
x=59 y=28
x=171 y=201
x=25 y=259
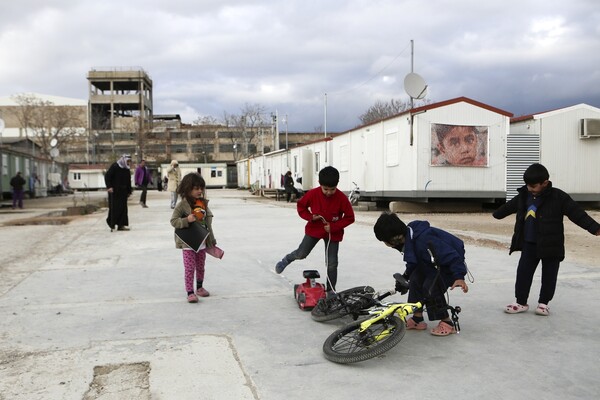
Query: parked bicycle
x=354 y=194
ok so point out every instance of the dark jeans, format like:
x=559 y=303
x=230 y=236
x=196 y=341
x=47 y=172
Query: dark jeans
x=17 y=199
x=424 y=287
x=306 y=246
x=143 y=195
x=288 y=193
x=527 y=265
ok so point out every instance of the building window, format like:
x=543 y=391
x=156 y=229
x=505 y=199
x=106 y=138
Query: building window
x=317 y=161
x=5 y=164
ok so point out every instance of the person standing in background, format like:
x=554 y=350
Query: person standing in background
x=33 y=179
x=17 y=182
x=118 y=186
x=174 y=178
x=142 y=179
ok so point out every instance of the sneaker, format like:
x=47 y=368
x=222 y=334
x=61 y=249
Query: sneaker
x=542 y=309
x=201 y=292
x=411 y=324
x=144 y=206
x=192 y=298
x=281 y=266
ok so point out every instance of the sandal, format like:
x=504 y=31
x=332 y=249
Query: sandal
x=411 y=324
x=542 y=309
x=443 y=329
x=192 y=298
x=516 y=308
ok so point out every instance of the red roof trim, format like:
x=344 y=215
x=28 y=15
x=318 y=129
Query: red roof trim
x=459 y=100
x=438 y=105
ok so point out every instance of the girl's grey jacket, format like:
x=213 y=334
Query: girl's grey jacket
x=179 y=221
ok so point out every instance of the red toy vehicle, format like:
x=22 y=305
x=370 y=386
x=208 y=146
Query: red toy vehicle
x=308 y=294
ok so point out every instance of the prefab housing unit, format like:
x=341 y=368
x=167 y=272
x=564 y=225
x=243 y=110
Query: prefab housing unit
x=87 y=177
x=566 y=141
x=214 y=174
x=399 y=157
x=266 y=171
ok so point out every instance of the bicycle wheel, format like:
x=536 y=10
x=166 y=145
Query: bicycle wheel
x=348 y=345
x=343 y=303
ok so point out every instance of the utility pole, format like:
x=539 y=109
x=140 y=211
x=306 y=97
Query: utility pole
x=1 y=163
x=286 y=131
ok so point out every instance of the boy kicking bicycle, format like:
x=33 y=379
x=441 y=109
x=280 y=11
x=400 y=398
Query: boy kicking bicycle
x=427 y=283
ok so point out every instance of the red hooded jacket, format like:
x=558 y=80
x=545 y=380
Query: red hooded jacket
x=336 y=210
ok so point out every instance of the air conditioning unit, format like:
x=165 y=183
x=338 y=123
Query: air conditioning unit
x=590 y=128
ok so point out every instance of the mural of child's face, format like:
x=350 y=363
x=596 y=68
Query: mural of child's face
x=459 y=146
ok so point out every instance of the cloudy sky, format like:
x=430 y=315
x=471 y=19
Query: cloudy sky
x=210 y=57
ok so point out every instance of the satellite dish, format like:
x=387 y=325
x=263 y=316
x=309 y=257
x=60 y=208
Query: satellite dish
x=54 y=152
x=415 y=86
x=53 y=142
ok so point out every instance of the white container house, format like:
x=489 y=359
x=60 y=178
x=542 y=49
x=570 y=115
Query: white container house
x=566 y=141
x=401 y=157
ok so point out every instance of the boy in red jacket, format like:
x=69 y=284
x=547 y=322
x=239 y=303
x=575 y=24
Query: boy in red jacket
x=328 y=211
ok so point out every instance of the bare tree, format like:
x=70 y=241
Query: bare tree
x=43 y=121
x=381 y=110
x=206 y=120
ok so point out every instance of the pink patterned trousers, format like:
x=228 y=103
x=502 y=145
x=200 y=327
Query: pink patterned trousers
x=193 y=263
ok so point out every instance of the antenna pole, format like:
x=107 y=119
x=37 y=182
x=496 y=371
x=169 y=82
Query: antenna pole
x=412 y=66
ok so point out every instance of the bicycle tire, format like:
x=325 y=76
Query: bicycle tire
x=343 y=303
x=348 y=345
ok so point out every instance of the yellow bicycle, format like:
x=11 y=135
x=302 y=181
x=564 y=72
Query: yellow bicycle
x=373 y=336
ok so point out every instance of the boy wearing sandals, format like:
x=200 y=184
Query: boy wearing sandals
x=539 y=234
x=426 y=283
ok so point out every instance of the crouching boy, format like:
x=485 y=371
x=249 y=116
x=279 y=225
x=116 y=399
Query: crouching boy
x=426 y=285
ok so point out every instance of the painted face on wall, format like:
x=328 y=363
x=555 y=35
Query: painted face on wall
x=459 y=146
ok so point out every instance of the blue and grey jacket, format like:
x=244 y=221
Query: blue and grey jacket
x=448 y=249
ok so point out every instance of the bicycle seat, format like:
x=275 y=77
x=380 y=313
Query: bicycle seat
x=310 y=274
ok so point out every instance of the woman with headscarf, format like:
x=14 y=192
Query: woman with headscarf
x=118 y=186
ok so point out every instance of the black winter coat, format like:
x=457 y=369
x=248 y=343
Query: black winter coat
x=550 y=231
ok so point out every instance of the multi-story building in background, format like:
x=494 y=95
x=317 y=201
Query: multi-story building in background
x=119 y=117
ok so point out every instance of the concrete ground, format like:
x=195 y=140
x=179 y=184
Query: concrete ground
x=90 y=314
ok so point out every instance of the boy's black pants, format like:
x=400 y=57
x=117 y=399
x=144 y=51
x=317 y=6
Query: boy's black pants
x=526 y=269
x=423 y=287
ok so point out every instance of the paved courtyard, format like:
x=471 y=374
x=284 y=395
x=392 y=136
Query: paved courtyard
x=86 y=313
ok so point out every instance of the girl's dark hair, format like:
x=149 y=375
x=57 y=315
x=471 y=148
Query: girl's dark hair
x=189 y=182
x=535 y=173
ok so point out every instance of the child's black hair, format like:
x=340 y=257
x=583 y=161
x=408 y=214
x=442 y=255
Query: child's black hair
x=389 y=226
x=329 y=176
x=535 y=173
x=189 y=182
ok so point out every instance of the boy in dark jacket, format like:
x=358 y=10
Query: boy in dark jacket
x=327 y=211
x=426 y=284
x=539 y=234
